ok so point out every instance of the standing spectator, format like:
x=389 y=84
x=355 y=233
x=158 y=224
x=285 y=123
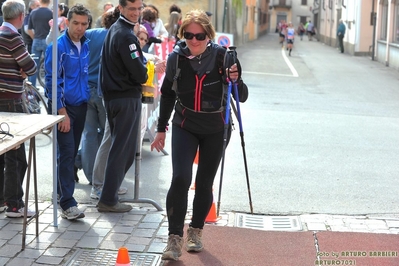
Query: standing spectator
x=33 y=4
x=63 y=10
x=158 y=26
x=148 y=19
x=341 y=34
x=102 y=153
x=175 y=8
x=290 y=34
x=15 y=64
x=198 y=123
x=72 y=96
x=158 y=29
x=310 y=30
x=173 y=26
x=282 y=31
x=101 y=156
x=106 y=7
x=301 y=30
x=38 y=29
x=122 y=73
x=93 y=131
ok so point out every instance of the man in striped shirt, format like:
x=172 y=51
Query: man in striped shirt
x=15 y=65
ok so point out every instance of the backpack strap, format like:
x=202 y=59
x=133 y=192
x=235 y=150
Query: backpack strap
x=220 y=58
x=176 y=76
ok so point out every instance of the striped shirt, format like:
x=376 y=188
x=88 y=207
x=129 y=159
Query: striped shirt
x=14 y=57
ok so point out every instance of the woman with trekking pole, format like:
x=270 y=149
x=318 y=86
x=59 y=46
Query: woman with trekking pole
x=195 y=88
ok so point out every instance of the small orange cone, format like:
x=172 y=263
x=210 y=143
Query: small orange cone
x=196 y=159
x=123 y=257
x=212 y=216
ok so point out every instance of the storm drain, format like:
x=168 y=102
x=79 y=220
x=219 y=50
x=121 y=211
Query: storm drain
x=268 y=223
x=104 y=257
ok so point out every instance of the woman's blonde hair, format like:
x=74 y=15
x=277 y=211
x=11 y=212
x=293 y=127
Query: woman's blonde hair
x=199 y=17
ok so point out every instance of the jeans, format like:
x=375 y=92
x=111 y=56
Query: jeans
x=38 y=49
x=13 y=164
x=92 y=134
x=184 y=149
x=101 y=158
x=68 y=143
x=124 y=117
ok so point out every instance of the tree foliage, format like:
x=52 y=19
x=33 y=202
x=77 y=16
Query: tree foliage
x=237 y=5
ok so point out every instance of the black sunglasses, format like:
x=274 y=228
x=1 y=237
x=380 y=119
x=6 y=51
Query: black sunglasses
x=199 y=36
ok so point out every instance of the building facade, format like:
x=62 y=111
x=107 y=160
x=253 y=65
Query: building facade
x=372 y=27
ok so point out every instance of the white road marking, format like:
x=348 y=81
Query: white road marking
x=264 y=73
x=288 y=62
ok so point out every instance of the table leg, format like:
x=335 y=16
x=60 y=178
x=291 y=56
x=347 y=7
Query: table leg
x=31 y=164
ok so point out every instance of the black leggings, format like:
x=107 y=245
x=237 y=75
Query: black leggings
x=184 y=148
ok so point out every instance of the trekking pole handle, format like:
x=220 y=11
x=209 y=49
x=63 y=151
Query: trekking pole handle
x=232 y=51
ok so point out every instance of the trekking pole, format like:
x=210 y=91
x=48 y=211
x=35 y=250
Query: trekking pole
x=226 y=128
x=238 y=114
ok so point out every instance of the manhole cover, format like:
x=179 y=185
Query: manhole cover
x=104 y=257
x=268 y=223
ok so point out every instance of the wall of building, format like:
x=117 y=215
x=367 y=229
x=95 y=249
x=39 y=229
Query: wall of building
x=299 y=10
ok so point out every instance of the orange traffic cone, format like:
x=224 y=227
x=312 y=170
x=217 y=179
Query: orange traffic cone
x=212 y=216
x=123 y=257
x=196 y=159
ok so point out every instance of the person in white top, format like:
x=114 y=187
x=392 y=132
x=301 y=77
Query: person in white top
x=158 y=29
x=290 y=35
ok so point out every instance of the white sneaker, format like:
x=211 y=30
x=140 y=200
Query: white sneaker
x=16 y=213
x=72 y=213
x=95 y=193
x=3 y=208
x=122 y=190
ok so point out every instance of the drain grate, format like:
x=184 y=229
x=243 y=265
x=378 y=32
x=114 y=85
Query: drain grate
x=107 y=257
x=268 y=223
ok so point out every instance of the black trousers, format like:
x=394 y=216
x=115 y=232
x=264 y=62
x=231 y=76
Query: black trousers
x=124 y=117
x=13 y=163
x=184 y=148
x=341 y=42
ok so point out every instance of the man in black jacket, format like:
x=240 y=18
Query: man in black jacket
x=122 y=72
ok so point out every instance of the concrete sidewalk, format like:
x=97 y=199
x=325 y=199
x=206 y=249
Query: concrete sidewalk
x=95 y=240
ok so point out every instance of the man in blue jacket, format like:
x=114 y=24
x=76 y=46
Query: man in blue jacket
x=341 y=35
x=72 y=96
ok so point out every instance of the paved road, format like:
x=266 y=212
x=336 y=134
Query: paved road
x=320 y=132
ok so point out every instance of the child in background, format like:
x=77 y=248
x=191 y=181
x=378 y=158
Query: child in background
x=143 y=36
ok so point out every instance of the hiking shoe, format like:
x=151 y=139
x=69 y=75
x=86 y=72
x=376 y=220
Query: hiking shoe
x=13 y=212
x=122 y=191
x=95 y=193
x=119 y=207
x=173 y=249
x=72 y=213
x=194 y=242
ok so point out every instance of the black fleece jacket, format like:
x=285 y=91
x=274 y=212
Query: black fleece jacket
x=123 y=67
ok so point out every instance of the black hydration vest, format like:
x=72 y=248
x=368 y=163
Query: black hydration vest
x=200 y=103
